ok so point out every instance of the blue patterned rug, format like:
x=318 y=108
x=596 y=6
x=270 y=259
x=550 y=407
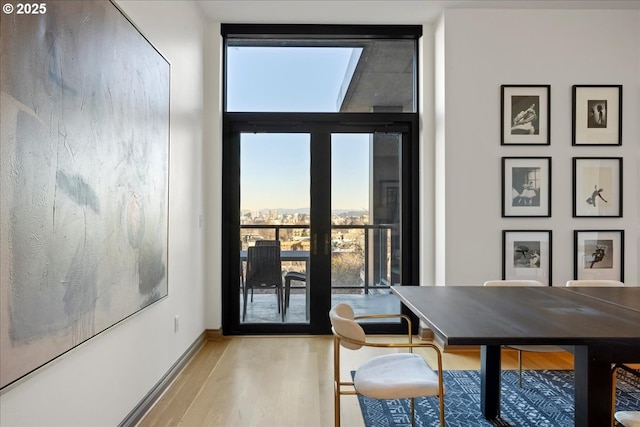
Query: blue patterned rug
x=545 y=400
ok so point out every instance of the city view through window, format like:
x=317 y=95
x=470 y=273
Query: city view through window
x=275 y=199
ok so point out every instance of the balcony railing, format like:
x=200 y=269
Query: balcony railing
x=364 y=258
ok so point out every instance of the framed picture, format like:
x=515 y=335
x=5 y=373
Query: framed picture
x=599 y=255
x=597 y=187
x=597 y=115
x=526 y=255
x=525 y=115
x=526 y=186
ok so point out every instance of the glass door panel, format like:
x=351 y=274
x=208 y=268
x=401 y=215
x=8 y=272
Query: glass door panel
x=365 y=220
x=274 y=209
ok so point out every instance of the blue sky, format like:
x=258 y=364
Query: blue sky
x=275 y=167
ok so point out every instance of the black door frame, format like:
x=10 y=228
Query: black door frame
x=320 y=126
x=314 y=123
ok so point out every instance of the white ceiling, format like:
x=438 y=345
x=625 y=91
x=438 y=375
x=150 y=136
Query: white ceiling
x=377 y=11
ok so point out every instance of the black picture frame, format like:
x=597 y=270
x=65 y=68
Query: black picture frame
x=527 y=255
x=597 y=115
x=526 y=187
x=598 y=255
x=525 y=114
x=597 y=187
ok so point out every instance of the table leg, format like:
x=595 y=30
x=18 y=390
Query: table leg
x=490 y=381
x=592 y=386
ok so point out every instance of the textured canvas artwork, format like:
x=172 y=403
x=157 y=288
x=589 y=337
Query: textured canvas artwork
x=83 y=177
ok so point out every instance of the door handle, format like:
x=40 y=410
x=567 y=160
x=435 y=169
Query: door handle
x=314 y=244
x=327 y=244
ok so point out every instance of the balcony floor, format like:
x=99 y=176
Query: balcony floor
x=264 y=308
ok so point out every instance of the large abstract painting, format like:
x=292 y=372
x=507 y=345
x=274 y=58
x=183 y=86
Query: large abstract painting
x=83 y=175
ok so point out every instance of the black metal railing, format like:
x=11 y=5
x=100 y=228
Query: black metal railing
x=378 y=246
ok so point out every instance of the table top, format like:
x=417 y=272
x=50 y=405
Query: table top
x=478 y=315
x=614 y=295
x=285 y=255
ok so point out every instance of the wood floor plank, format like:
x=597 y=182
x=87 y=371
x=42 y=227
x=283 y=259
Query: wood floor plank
x=286 y=381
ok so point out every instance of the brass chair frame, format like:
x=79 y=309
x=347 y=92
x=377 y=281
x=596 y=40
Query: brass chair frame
x=614 y=376
x=410 y=345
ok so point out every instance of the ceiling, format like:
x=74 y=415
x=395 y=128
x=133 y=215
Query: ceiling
x=377 y=11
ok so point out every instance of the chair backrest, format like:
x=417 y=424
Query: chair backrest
x=264 y=267
x=513 y=283
x=614 y=283
x=344 y=325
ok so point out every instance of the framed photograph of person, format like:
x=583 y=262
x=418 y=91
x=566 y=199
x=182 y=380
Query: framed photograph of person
x=599 y=255
x=526 y=255
x=525 y=115
x=597 y=187
x=597 y=115
x=526 y=186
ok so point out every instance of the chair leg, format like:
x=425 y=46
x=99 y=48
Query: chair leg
x=244 y=306
x=287 y=291
x=520 y=368
x=613 y=395
x=336 y=382
x=413 y=412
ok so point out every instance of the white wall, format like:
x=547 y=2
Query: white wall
x=478 y=50
x=101 y=381
x=484 y=49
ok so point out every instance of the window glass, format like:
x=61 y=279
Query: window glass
x=349 y=76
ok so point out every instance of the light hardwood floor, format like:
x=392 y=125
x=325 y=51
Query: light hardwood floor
x=285 y=381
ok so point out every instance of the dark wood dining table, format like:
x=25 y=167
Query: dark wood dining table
x=600 y=326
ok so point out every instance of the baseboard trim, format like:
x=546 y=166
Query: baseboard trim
x=136 y=415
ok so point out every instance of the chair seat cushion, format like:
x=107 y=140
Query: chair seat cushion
x=628 y=418
x=396 y=376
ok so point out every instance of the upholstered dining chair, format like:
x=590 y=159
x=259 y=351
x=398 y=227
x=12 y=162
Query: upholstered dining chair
x=264 y=271
x=524 y=348
x=602 y=283
x=390 y=376
x=624 y=418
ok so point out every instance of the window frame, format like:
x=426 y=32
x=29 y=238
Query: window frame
x=235 y=122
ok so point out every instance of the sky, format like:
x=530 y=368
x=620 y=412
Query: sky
x=275 y=167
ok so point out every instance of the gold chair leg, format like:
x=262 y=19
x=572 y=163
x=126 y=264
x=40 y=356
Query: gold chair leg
x=336 y=381
x=613 y=395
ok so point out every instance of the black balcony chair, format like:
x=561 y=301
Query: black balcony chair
x=265 y=243
x=288 y=278
x=264 y=271
x=298 y=277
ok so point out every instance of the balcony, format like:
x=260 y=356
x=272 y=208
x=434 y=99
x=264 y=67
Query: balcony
x=363 y=267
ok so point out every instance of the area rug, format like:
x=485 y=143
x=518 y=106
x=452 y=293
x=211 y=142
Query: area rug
x=545 y=400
